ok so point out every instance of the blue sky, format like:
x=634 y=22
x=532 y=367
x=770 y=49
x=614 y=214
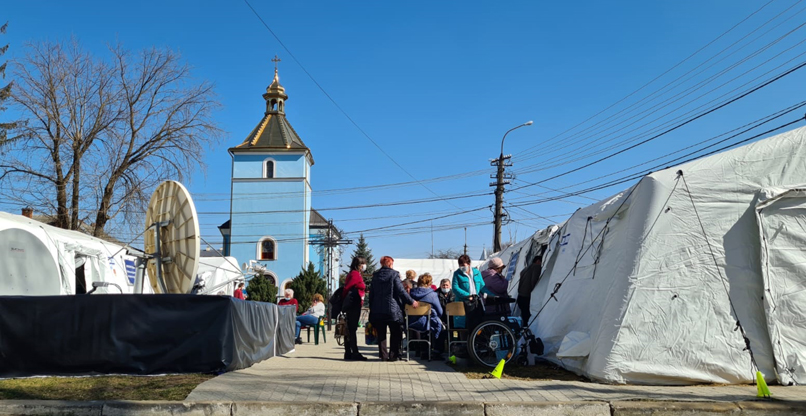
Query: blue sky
x=436 y=84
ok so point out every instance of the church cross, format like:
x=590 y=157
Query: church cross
x=275 y=60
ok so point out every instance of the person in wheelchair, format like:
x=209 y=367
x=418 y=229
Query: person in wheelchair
x=495 y=286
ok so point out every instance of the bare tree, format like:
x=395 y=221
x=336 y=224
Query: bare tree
x=166 y=123
x=445 y=254
x=5 y=92
x=69 y=97
x=102 y=134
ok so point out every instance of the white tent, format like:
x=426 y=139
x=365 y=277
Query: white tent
x=647 y=286
x=217 y=275
x=438 y=268
x=39 y=259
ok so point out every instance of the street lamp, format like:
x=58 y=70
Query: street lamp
x=499 y=189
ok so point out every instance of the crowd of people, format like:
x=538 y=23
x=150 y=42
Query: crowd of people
x=481 y=293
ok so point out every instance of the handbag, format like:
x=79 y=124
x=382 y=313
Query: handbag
x=341 y=326
x=352 y=301
x=370 y=334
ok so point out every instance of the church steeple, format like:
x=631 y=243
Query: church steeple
x=275 y=93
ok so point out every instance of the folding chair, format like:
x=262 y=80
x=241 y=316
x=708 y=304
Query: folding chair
x=320 y=326
x=455 y=309
x=423 y=310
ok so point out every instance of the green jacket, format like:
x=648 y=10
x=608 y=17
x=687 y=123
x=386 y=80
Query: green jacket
x=461 y=284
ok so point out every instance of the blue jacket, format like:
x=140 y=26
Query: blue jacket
x=461 y=284
x=387 y=296
x=427 y=295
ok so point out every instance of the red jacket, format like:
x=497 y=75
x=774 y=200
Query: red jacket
x=239 y=294
x=354 y=279
x=289 y=302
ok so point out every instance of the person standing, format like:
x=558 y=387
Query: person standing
x=239 y=292
x=354 y=287
x=467 y=287
x=385 y=311
x=311 y=316
x=496 y=284
x=529 y=278
x=289 y=300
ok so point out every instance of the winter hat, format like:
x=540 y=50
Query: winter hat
x=495 y=263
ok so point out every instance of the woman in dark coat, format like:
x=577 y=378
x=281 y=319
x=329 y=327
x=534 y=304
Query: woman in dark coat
x=385 y=311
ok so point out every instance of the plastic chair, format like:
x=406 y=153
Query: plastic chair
x=455 y=309
x=423 y=310
x=320 y=326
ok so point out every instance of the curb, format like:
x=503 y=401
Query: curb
x=584 y=408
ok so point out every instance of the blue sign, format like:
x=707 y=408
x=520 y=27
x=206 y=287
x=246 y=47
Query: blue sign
x=131 y=271
x=513 y=262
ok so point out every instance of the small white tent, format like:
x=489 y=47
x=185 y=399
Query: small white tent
x=217 y=275
x=660 y=283
x=438 y=268
x=39 y=259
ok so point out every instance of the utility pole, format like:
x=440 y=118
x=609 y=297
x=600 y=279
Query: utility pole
x=465 y=240
x=501 y=179
x=330 y=242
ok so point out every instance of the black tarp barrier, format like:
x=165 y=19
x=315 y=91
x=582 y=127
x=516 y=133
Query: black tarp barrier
x=138 y=334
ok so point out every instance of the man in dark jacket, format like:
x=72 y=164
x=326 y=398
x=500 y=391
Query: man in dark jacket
x=385 y=309
x=529 y=279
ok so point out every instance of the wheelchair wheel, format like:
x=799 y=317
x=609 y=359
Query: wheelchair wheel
x=491 y=342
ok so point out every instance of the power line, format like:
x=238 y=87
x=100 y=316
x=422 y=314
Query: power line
x=364 y=133
x=657 y=77
x=726 y=103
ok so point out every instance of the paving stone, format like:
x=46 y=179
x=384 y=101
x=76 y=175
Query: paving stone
x=426 y=408
x=548 y=409
x=663 y=408
x=128 y=408
x=317 y=373
x=773 y=408
x=294 y=409
x=50 y=407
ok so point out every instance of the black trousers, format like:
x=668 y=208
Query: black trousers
x=474 y=313
x=524 y=304
x=395 y=339
x=350 y=338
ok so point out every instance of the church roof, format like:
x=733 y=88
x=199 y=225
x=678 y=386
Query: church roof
x=273 y=132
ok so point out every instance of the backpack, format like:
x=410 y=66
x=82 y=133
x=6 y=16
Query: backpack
x=336 y=300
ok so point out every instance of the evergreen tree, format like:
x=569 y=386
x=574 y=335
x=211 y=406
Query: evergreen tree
x=362 y=250
x=5 y=91
x=261 y=289
x=308 y=283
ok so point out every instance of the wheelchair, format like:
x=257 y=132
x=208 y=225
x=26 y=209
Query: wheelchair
x=501 y=336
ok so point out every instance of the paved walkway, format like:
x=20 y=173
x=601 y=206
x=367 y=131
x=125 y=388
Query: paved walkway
x=317 y=373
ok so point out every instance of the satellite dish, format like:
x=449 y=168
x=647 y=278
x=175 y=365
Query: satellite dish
x=172 y=239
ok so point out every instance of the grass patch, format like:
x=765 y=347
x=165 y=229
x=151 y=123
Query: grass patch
x=169 y=387
x=542 y=370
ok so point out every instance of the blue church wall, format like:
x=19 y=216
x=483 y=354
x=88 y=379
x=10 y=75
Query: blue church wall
x=286 y=165
x=255 y=215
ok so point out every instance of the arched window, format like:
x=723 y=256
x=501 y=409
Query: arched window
x=271 y=277
x=267 y=249
x=268 y=168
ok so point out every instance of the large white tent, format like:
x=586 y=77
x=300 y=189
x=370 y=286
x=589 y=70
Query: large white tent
x=669 y=281
x=39 y=259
